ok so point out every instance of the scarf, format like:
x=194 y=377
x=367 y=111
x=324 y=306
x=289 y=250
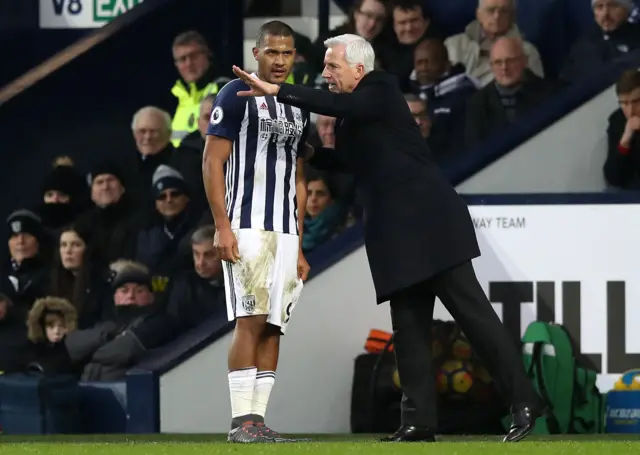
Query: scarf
x=320 y=229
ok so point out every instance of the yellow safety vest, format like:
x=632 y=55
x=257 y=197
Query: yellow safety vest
x=185 y=120
x=291 y=80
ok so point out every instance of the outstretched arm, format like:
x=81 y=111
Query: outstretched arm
x=365 y=103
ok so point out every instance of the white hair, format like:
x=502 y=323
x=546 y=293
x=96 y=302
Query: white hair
x=152 y=110
x=357 y=50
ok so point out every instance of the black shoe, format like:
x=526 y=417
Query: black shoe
x=409 y=433
x=523 y=420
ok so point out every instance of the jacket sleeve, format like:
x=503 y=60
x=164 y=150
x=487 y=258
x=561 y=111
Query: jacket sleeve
x=328 y=159
x=617 y=169
x=81 y=344
x=366 y=104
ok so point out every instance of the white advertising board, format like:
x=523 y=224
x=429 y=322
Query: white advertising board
x=82 y=13
x=575 y=264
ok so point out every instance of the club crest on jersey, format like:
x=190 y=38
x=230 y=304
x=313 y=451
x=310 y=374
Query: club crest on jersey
x=216 y=115
x=249 y=303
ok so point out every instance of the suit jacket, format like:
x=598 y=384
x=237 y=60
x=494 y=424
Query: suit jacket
x=416 y=225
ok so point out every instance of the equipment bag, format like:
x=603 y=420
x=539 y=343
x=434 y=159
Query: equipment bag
x=575 y=405
x=39 y=404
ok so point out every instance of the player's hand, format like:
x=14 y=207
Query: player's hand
x=226 y=244
x=303 y=267
x=257 y=86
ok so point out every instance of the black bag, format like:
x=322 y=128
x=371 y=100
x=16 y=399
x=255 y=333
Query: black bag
x=39 y=404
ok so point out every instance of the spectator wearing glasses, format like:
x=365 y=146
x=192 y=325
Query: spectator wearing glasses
x=367 y=19
x=194 y=61
x=158 y=243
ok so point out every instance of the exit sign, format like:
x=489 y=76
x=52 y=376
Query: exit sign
x=82 y=13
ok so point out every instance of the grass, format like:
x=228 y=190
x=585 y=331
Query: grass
x=320 y=445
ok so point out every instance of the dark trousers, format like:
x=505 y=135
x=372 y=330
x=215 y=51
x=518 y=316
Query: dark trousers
x=412 y=315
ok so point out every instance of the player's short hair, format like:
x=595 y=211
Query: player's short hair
x=356 y=50
x=274 y=28
x=628 y=82
x=166 y=117
x=190 y=37
x=203 y=235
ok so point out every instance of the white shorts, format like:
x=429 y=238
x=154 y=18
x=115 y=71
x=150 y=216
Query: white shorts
x=265 y=279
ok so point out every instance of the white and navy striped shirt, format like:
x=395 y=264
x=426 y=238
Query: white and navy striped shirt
x=261 y=171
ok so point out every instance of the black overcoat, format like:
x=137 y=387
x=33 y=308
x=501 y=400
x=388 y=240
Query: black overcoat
x=415 y=223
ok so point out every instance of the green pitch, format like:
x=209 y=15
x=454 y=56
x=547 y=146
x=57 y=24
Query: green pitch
x=320 y=445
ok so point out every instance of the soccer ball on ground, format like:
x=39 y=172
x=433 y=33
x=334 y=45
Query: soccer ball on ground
x=454 y=378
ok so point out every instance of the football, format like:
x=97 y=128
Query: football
x=454 y=378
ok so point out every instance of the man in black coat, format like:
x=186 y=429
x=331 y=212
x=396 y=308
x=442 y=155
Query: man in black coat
x=418 y=232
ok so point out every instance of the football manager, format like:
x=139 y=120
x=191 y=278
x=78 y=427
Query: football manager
x=419 y=236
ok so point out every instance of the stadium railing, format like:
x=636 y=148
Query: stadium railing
x=142 y=382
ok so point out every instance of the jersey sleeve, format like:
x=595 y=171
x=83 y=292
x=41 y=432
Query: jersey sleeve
x=228 y=112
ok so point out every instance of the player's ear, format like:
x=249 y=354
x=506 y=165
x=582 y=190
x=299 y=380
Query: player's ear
x=256 y=51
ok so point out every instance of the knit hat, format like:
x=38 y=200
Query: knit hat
x=167 y=177
x=62 y=178
x=24 y=222
x=626 y=3
x=131 y=275
x=106 y=167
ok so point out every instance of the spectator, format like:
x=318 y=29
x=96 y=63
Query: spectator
x=495 y=19
x=367 y=18
x=445 y=88
x=411 y=25
x=325 y=215
x=614 y=36
x=63 y=198
x=158 y=241
x=325 y=129
x=111 y=220
x=198 y=292
x=194 y=61
x=151 y=128
x=78 y=277
x=49 y=322
x=111 y=347
x=24 y=278
x=418 y=109
x=13 y=337
x=622 y=166
x=514 y=92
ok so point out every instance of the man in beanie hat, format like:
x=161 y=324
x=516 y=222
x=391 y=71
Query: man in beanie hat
x=113 y=345
x=112 y=220
x=174 y=216
x=64 y=195
x=613 y=37
x=25 y=275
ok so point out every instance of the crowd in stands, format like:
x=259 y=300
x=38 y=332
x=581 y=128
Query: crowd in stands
x=113 y=263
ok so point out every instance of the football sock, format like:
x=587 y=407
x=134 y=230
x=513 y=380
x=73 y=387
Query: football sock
x=261 y=392
x=241 y=386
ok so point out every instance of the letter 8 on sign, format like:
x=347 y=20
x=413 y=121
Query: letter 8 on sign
x=216 y=115
x=75 y=7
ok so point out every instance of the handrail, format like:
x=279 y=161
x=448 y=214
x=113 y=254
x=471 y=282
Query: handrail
x=73 y=51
